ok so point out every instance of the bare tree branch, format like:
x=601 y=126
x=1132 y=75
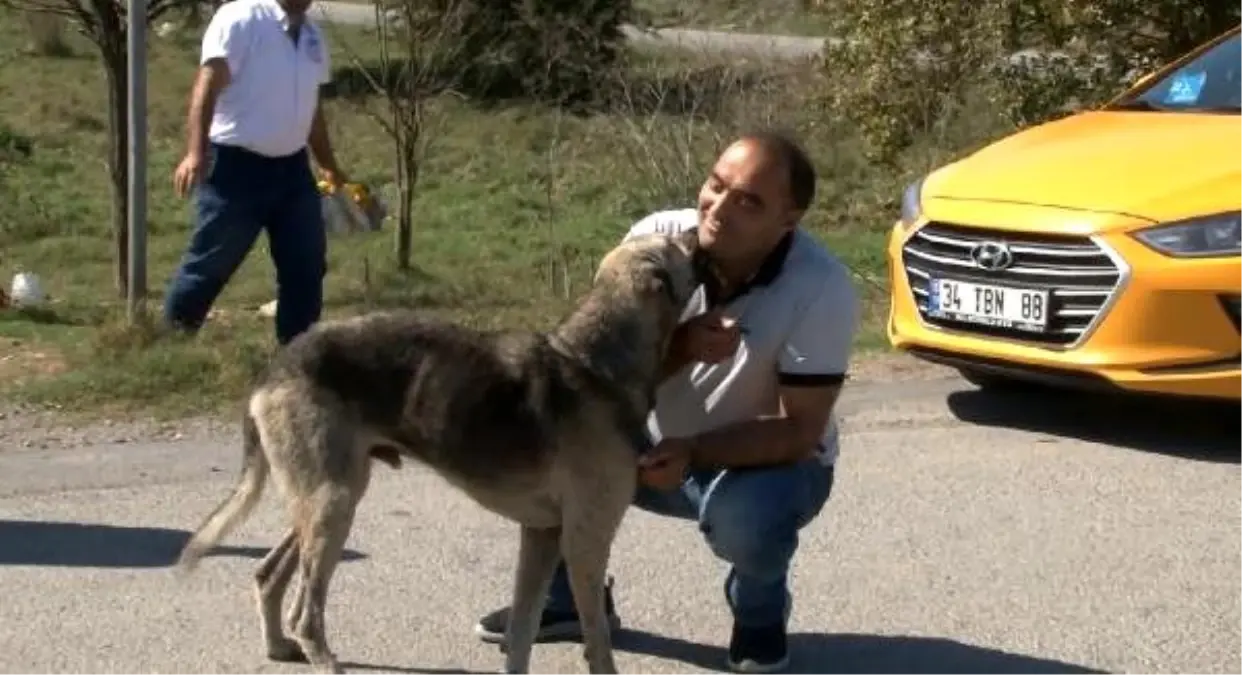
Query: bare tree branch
x=413 y=65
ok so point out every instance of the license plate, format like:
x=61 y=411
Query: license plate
x=1000 y=306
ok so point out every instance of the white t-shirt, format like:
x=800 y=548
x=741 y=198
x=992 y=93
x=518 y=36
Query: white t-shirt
x=274 y=84
x=799 y=315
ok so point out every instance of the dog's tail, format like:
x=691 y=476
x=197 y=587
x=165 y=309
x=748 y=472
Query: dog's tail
x=237 y=505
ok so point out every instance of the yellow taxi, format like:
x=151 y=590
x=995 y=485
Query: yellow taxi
x=1100 y=250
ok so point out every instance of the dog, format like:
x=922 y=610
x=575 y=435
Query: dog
x=542 y=428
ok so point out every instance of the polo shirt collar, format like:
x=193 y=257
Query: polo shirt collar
x=768 y=272
x=282 y=14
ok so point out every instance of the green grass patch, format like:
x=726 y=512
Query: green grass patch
x=515 y=206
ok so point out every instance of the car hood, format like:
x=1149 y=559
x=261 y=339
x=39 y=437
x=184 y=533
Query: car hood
x=1159 y=166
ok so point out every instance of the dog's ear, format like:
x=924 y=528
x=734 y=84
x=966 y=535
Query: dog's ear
x=662 y=283
x=606 y=263
x=687 y=241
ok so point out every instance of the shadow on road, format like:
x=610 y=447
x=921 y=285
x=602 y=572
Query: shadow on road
x=61 y=544
x=371 y=667
x=1205 y=431
x=852 y=653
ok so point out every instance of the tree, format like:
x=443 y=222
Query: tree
x=553 y=51
x=103 y=22
x=419 y=45
x=901 y=70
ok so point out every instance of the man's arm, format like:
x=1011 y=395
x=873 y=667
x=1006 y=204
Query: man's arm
x=786 y=438
x=213 y=77
x=812 y=370
x=223 y=53
x=320 y=141
x=321 y=145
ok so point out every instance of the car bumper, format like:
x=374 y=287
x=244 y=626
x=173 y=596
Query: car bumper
x=1167 y=327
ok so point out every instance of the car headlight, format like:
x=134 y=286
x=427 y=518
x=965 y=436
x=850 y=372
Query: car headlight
x=1204 y=236
x=912 y=203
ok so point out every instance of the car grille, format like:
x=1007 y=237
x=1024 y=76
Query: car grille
x=1079 y=275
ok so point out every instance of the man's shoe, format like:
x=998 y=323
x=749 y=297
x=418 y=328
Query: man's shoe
x=758 y=649
x=554 y=626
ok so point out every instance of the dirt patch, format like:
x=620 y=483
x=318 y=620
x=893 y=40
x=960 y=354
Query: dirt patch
x=21 y=360
x=896 y=367
x=29 y=427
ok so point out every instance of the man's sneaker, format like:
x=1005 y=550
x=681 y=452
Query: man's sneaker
x=554 y=626
x=758 y=649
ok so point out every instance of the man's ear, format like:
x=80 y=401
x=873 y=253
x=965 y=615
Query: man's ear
x=795 y=217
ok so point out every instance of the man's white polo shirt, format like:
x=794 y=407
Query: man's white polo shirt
x=798 y=314
x=274 y=84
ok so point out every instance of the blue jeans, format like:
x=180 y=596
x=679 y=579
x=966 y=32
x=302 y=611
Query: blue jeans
x=241 y=194
x=751 y=519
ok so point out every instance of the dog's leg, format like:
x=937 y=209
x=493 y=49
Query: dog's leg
x=325 y=519
x=271 y=579
x=324 y=532
x=586 y=544
x=295 y=608
x=538 y=554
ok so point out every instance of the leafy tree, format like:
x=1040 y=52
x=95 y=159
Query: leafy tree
x=900 y=70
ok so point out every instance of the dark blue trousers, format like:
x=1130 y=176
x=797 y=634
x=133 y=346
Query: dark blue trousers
x=241 y=194
x=750 y=519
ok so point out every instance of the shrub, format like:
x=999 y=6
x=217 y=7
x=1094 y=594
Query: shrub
x=553 y=50
x=903 y=69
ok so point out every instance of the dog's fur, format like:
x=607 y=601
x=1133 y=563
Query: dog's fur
x=543 y=429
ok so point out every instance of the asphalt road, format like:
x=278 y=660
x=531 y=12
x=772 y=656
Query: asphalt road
x=967 y=533
x=703 y=41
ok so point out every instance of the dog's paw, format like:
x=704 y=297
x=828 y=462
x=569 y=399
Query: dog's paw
x=286 y=651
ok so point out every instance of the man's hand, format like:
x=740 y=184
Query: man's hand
x=334 y=176
x=212 y=78
x=710 y=337
x=188 y=174
x=664 y=467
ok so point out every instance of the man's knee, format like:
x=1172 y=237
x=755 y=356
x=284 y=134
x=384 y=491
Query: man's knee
x=751 y=518
x=300 y=246
x=222 y=238
x=224 y=232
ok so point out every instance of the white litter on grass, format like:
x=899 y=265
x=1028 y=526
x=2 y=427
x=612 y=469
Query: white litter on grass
x=26 y=290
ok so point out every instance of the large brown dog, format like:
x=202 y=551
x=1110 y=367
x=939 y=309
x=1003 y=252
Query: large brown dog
x=543 y=429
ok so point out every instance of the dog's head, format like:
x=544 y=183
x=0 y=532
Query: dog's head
x=660 y=269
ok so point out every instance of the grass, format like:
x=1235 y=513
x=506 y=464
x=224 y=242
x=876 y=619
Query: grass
x=515 y=205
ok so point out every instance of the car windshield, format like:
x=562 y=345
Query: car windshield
x=1212 y=82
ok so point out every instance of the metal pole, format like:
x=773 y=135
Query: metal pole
x=137 y=114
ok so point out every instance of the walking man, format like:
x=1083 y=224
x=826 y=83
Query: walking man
x=254 y=112
x=746 y=442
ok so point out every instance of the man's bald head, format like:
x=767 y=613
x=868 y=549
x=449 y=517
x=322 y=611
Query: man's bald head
x=789 y=154
x=757 y=191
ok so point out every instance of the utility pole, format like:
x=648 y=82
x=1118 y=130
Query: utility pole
x=137 y=107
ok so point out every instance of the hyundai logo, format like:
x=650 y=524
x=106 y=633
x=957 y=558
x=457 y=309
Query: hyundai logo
x=992 y=256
